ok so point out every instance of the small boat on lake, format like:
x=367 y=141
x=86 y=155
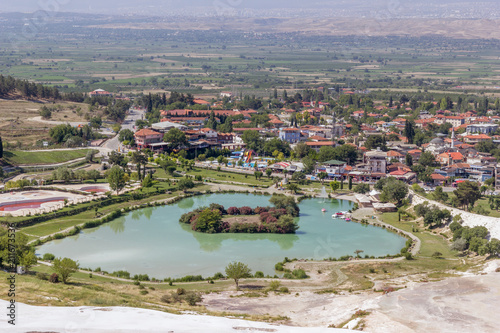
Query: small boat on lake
x=341 y=215
x=323 y=210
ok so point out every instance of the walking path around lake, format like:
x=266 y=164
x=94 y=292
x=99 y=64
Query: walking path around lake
x=368 y=213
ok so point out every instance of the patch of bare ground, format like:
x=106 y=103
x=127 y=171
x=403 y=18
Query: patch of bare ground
x=17 y=124
x=240 y=219
x=410 y=303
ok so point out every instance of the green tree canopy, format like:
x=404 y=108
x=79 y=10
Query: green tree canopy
x=65 y=267
x=276 y=144
x=301 y=150
x=392 y=190
x=126 y=135
x=253 y=140
x=175 y=138
x=467 y=194
x=237 y=271
x=346 y=153
x=116 y=178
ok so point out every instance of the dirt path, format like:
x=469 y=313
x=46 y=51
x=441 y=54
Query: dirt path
x=367 y=213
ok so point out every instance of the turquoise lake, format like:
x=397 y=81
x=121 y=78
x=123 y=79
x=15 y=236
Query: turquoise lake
x=152 y=241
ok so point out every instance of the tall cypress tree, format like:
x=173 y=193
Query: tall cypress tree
x=1 y=147
x=409 y=131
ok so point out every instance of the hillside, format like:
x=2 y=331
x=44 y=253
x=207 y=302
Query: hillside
x=454 y=28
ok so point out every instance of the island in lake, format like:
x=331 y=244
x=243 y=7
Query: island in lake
x=216 y=219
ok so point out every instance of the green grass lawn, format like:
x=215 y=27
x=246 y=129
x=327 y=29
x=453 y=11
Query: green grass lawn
x=62 y=223
x=430 y=242
x=43 y=157
x=230 y=177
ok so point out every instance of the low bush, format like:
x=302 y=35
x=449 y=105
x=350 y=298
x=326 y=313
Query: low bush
x=279 y=267
x=48 y=256
x=190 y=297
x=259 y=275
x=274 y=285
x=284 y=290
x=299 y=274
x=54 y=278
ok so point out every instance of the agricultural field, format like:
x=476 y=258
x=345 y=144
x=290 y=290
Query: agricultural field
x=205 y=63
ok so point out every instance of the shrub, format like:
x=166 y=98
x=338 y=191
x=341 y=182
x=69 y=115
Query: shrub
x=42 y=276
x=299 y=274
x=259 y=275
x=54 y=278
x=193 y=298
x=279 y=267
x=217 y=276
x=181 y=291
x=48 y=256
x=143 y=292
x=233 y=211
x=121 y=274
x=284 y=290
x=259 y=210
x=274 y=285
x=141 y=277
x=246 y=210
x=437 y=254
x=218 y=207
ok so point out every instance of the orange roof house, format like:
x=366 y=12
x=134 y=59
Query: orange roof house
x=146 y=136
x=450 y=158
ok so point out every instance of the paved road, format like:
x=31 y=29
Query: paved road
x=128 y=123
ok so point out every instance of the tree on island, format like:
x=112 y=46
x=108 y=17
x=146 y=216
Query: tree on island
x=287 y=203
x=209 y=221
x=237 y=271
x=65 y=267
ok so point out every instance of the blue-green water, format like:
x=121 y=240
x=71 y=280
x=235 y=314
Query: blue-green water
x=152 y=241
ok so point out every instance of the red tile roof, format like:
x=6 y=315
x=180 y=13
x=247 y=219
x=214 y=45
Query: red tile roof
x=146 y=132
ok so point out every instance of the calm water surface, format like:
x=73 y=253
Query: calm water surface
x=152 y=241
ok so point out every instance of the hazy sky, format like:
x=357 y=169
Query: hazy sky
x=163 y=6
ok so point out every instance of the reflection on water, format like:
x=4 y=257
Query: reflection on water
x=152 y=241
x=213 y=242
x=186 y=203
x=146 y=212
x=118 y=225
